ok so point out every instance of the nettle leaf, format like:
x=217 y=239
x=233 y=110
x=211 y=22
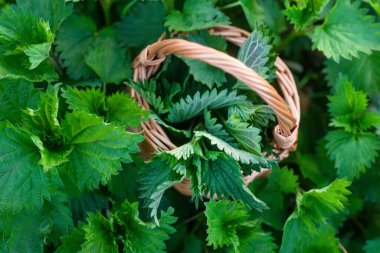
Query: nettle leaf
x=147 y=89
x=264 y=12
x=256 y=53
x=372 y=246
x=304 y=12
x=348 y=108
x=222 y=177
x=308 y=228
x=143 y=25
x=347 y=31
x=72 y=242
x=118 y=108
x=279 y=183
x=196 y=15
x=362 y=80
x=124 y=110
x=216 y=129
x=155 y=178
x=23 y=181
x=237 y=154
x=91 y=100
x=141 y=236
x=352 y=152
x=194 y=106
x=16 y=96
x=201 y=71
x=109 y=61
x=99 y=235
x=54 y=11
x=230 y=224
x=24 y=231
x=248 y=136
x=22 y=33
x=98 y=148
x=74 y=38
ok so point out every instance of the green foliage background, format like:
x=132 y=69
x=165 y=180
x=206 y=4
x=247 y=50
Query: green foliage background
x=71 y=179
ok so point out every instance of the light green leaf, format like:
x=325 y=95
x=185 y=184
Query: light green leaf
x=124 y=110
x=24 y=184
x=302 y=13
x=308 y=228
x=99 y=235
x=91 y=100
x=98 y=148
x=37 y=53
x=72 y=242
x=143 y=25
x=196 y=15
x=346 y=32
x=54 y=11
x=194 y=106
x=16 y=96
x=109 y=61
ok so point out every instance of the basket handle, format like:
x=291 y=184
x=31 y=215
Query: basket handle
x=154 y=54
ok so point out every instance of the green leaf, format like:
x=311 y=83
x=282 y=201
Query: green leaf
x=304 y=12
x=372 y=246
x=201 y=71
x=143 y=25
x=91 y=100
x=22 y=33
x=222 y=177
x=194 y=106
x=125 y=111
x=109 y=61
x=362 y=80
x=348 y=108
x=54 y=11
x=347 y=30
x=44 y=119
x=279 y=183
x=256 y=53
x=51 y=158
x=237 y=154
x=143 y=237
x=155 y=178
x=248 y=136
x=196 y=15
x=72 y=242
x=98 y=148
x=12 y=67
x=16 y=96
x=230 y=224
x=60 y=216
x=24 y=184
x=352 y=153
x=99 y=235
x=216 y=129
x=264 y=12
x=74 y=39
x=308 y=229
x=23 y=232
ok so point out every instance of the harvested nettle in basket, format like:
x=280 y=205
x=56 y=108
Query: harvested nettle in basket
x=217 y=121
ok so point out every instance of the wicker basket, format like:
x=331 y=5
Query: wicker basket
x=286 y=109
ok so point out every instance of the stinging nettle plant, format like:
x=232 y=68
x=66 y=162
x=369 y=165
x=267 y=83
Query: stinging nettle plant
x=77 y=172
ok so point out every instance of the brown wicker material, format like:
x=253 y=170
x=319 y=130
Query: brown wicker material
x=286 y=108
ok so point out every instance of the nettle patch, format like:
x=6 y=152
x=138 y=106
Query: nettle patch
x=75 y=173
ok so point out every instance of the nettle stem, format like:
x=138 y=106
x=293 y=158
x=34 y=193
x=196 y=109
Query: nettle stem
x=106 y=6
x=231 y=5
